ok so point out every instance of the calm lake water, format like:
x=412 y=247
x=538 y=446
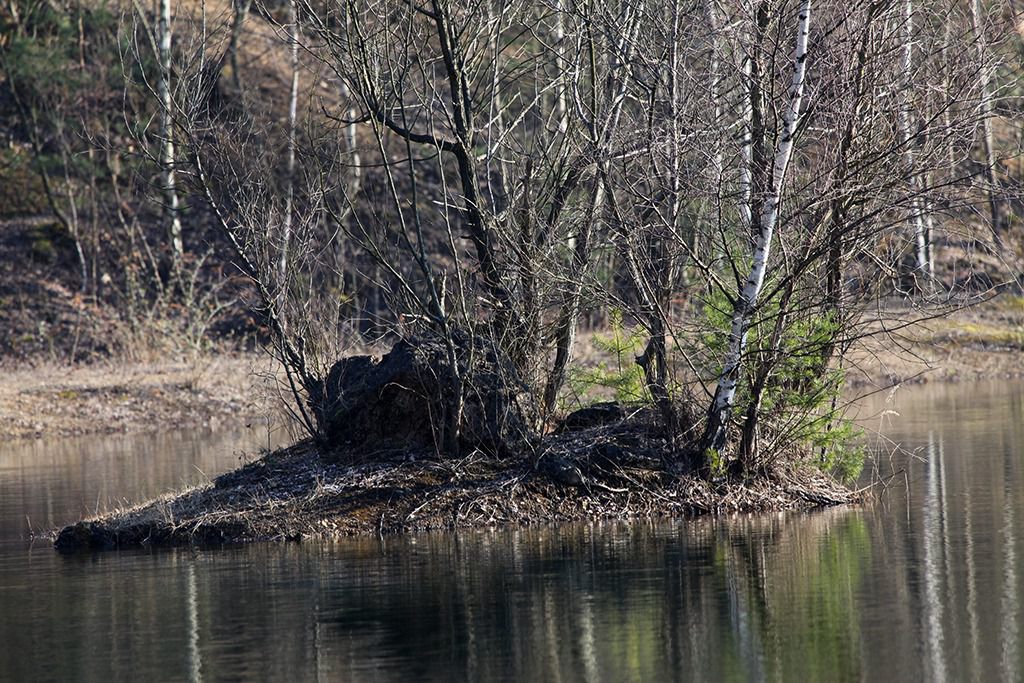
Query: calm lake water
x=925 y=584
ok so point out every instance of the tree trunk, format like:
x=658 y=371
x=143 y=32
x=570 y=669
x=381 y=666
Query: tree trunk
x=916 y=218
x=166 y=135
x=987 y=138
x=293 y=100
x=743 y=308
x=566 y=330
x=238 y=22
x=565 y=337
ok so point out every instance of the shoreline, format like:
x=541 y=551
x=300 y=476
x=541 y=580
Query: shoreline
x=615 y=471
x=294 y=493
x=54 y=401
x=977 y=342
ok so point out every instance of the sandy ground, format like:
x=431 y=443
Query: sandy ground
x=927 y=361
x=54 y=400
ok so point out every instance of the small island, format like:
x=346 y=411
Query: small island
x=606 y=461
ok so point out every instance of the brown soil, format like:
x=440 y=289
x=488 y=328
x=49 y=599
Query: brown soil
x=52 y=400
x=295 y=493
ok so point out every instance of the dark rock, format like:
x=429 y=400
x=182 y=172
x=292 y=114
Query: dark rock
x=403 y=400
x=597 y=415
x=611 y=452
x=561 y=470
x=85 y=536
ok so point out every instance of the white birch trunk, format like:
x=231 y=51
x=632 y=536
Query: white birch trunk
x=714 y=92
x=293 y=102
x=166 y=134
x=725 y=392
x=354 y=159
x=987 y=138
x=916 y=218
x=561 y=99
x=746 y=146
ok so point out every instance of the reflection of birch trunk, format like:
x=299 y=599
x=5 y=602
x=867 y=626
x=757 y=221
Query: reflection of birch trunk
x=973 y=621
x=744 y=304
x=1010 y=598
x=195 y=660
x=293 y=100
x=587 y=642
x=167 y=137
x=934 y=588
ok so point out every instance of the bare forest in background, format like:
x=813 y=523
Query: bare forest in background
x=718 y=198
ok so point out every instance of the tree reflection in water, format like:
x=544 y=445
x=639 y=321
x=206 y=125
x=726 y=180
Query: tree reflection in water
x=923 y=583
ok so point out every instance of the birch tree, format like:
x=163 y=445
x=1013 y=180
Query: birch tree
x=293 y=105
x=165 y=135
x=987 y=136
x=736 y=178
x=747 y=298
x=917 y=218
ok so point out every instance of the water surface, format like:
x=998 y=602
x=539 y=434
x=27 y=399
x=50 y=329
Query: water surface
x=923 y=585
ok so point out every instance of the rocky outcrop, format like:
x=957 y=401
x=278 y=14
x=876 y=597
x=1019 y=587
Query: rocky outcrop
x=406 y=400
x=596 y=415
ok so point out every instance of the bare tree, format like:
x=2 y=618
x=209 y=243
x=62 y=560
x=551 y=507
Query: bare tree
x=166 y=136
x=293 y=104
x=718 y=415
x=495 y=171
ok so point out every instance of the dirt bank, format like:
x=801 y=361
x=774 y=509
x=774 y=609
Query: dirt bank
x=52 y=400
x=981 y=342
x=295 y=493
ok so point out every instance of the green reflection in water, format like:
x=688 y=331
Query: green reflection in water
x=763 y=598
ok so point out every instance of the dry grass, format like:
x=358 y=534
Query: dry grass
x=55 y=400
x=980 y=342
